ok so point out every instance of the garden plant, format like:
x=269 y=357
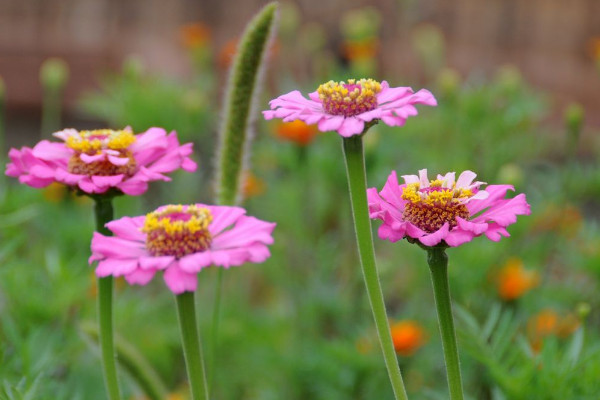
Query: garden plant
x=173 y=186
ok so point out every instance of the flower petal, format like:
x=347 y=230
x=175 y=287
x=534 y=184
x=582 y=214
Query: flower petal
x=140 y=277
x=179 y=281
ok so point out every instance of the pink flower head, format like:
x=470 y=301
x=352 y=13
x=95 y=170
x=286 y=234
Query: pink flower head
x=180 y=240
x=346 y=107
x=444 y=210
x=98 y=160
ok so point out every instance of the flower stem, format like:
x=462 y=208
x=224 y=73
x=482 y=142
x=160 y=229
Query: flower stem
x=186 y=313
x=438 y=265
x=104 y=213
x=355 y=168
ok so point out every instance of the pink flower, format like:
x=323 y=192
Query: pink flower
x=180 y=240
x=444 y=209
x=346 y=107
x=98 y=160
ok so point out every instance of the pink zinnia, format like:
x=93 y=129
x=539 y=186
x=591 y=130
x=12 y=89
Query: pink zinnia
x=346 y=107
x=98 y=160
x=180 y=240
x=444 y=209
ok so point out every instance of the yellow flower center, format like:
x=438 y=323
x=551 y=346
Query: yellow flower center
x=92 y=142
x=348 y=99
x=429 y=208
x=177 y=231
x=96 y=142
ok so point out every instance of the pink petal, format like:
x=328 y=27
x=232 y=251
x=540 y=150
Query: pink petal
x=88 y=159
x=505 y=211
x=107 y=181
x=436 y=237
x=68 y=178
x=391 y=94
x=179 y=281
x=193 y=263
x=247 y=230
x=116 y=247
x=42 y=171
x=140 y=277
x=465 y=179
x=331 y=123
x=49 y=151
x=495 y=232
x=116 y=266
x=351 y=126
x=118 y=160
x=155 y=263
x=133 y=186
x=88 y=186
x=474 y=227
x=223 y=217
x=458 y=236
x=128 y=228
x=496 y=192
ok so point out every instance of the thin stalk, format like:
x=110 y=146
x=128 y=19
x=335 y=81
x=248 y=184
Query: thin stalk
x=186 y=313
x=216 y=319
x=103 y=209
x=235 y=134
x=438 y=265
x=133 y=362
x=355 y=168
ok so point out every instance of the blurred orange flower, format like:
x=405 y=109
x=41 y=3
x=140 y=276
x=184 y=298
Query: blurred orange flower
x=297 y=132
x=594 y=47
x=227 y=53
x=408 y=336
x=194 y=35
x=514 y=281
x=360 y=49
x=253 y=186
x=548 y=322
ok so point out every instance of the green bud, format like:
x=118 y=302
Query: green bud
x=54 y=73
x=312 y=37
x=583 y=310
x=511 y=174
x=509 y=78
x=429 y=43
x=573 y=117
x=289 y=20
x=133 y=66
x=448 y=82
x=361 y=24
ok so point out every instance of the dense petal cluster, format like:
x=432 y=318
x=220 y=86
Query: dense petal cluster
x=180 y=240
x=346 y=107
x=445 y=210
x=96 y=161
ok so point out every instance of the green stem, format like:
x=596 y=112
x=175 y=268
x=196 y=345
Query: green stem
x=133 y=362
x=104 y=213
x=186 y=313
x=355 y=168
x=216 y=318
x=438 y=265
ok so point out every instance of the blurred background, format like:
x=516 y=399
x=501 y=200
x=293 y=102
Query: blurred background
x=555 y=45
x=518 y=85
